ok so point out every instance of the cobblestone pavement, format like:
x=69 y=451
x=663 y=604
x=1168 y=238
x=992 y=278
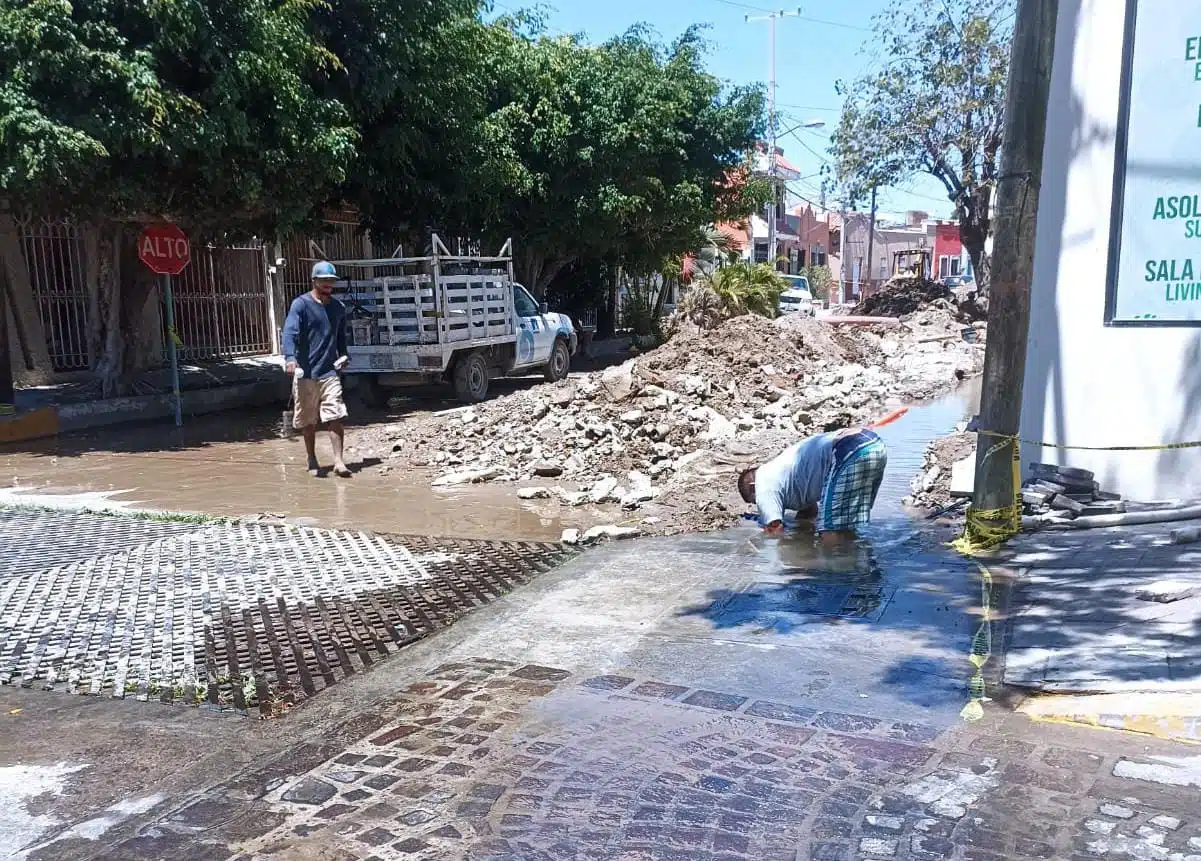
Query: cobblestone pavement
x=228 y=613
x=493 y=761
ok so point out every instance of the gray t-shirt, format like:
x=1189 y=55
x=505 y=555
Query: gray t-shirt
x=795 y=478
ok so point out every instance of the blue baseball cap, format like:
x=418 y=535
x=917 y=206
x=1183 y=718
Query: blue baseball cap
x=323 y=269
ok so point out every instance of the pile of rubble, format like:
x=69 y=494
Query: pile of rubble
x=906 y=295
x=1058 y=493
x=932 y=487
x=1053 y=494
x=644 y=440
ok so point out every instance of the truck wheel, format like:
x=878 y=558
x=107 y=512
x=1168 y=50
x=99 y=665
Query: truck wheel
x=560 y=362
x=371 y=393
x=471 y=378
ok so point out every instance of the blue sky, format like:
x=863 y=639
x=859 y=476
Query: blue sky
x=813 y=51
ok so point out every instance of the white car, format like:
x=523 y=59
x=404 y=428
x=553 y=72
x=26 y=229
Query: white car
x=797 y=298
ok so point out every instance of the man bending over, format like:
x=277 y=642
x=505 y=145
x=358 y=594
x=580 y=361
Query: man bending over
x=831 y=478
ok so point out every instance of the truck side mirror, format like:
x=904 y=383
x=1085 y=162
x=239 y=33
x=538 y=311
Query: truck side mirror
x=543 y=308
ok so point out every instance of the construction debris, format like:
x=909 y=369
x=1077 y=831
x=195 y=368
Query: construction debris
x=1052 y=493
x=655 y=441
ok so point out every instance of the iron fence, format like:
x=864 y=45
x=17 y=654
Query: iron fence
x=54 y=256
x=221 y=304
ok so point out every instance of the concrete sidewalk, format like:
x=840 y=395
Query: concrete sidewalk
x=1109 y=621
x=701 y=699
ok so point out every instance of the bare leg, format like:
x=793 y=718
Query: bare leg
x=336 y=437
x=836 y=540
x=310 y=447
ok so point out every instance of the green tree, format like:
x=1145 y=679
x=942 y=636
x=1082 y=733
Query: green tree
x=935 y=107
x=732 y=291
x=820 y=281
x=622 y=151
x=203 y=112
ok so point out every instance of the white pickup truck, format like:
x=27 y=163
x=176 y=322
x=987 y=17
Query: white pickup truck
x=447 y=318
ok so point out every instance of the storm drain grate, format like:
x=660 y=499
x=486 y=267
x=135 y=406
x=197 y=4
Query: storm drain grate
x=33 y=540
x=240 y=614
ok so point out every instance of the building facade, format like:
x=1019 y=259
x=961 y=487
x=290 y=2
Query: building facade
x=1115 y=316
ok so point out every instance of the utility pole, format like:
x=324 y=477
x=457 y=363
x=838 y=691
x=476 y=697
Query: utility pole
x=1018 y=184
x=842 y=251
x=871 y=237
x=771 y=19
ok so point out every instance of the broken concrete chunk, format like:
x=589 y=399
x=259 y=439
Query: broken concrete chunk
x=1104 y=507
x=570 y=537
x=547 y=469
x=602 y=491
x=533 y=493
x=1062 y=502
x=963 y=477
x=609 y=530
x=1186 y=535
x=1167 y=591
x=467 y=476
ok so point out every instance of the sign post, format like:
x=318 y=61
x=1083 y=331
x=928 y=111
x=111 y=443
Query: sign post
x=165 y=251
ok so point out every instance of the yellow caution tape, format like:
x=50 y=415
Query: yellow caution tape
x=7 y=410
x=981 y=650
x=1055 y=445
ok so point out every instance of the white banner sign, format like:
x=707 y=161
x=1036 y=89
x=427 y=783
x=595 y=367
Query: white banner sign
x=1155 y=268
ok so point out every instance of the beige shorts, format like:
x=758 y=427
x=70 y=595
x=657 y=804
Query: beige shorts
x=317 y=401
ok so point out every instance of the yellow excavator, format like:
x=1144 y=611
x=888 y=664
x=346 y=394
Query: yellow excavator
x=911 y=263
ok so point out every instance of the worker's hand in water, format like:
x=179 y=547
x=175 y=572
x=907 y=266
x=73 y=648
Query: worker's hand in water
x=773 y=529
x=341 y=362
x=290 y=368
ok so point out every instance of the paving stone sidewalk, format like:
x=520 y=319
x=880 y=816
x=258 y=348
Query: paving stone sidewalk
x=489 y=760
x=1111 y=611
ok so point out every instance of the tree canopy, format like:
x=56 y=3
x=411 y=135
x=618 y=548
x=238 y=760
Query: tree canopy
x=252 y=115
x=206 y=111
x=626 y=149
x=935 y=107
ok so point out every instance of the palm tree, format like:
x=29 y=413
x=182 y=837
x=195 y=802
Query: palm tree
x=731 y=291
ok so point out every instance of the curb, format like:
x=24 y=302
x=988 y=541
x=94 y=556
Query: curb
x=1173 y=717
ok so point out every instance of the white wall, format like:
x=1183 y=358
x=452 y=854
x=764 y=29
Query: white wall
x=1087 y=384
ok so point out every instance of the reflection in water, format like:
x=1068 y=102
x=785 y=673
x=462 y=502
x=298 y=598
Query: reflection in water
x=810 y=584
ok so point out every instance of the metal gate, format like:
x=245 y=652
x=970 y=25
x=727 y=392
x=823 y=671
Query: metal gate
x=221 y=303
x=54 y=257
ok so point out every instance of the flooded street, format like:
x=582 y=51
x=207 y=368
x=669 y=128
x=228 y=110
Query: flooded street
x=238 y=466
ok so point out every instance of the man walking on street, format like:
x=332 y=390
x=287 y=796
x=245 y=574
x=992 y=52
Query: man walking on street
x=314 y=342
x=831 y=478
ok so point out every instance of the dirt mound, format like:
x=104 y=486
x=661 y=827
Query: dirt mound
x=655 y=441
x=905 y=296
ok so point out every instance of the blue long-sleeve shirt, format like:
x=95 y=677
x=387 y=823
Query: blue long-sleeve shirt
x=315 y=335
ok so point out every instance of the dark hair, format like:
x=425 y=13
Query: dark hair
x=744 y=484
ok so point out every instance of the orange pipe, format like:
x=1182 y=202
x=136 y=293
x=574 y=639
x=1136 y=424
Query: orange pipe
x=889 y=419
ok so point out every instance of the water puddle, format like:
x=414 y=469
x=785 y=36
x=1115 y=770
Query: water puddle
x=239 y=466
x=897 y=567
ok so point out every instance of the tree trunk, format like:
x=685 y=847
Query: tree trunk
x=973 y=241
x=124 y=331
x=536 y=272
x=28 y=348
x=7 y=393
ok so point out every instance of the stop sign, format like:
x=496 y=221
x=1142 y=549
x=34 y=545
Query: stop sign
x=164 y=248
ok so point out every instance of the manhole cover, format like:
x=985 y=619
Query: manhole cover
x=240 y=614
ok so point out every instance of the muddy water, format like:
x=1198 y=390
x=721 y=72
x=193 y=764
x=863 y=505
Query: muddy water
x=237 y=465
x=895 y=551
